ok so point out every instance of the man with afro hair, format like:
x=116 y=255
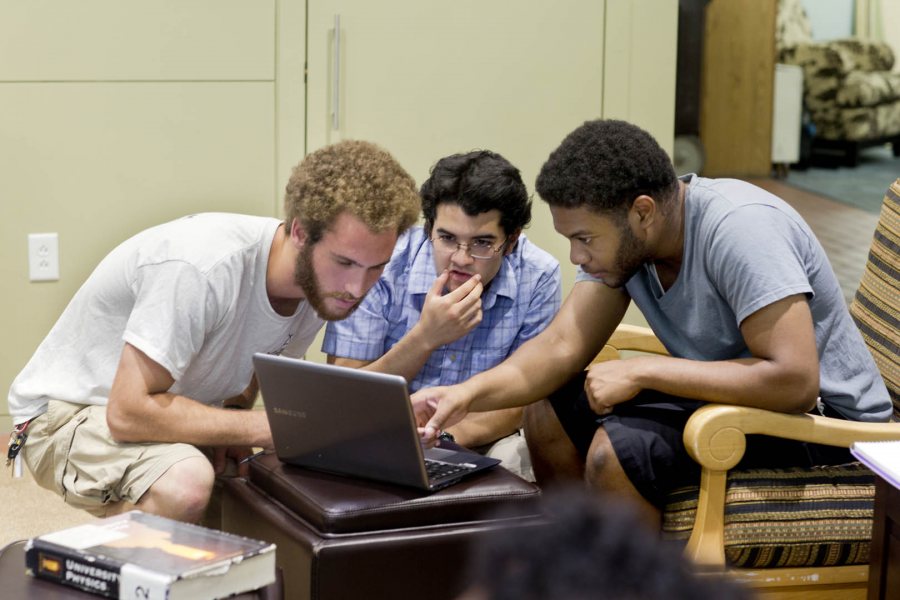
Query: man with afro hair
x=731 y=280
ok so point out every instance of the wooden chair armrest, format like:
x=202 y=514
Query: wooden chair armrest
x=630 y=337
x=715 y=437
x=634 y=337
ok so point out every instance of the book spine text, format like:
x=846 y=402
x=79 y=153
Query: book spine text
x=76 y=572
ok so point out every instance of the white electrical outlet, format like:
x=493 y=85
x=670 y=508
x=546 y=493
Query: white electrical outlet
x=43 y=256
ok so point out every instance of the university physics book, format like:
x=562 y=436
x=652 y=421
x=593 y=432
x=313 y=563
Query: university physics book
x=145 y=557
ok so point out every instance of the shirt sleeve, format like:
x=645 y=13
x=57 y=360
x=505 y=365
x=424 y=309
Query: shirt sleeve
x=542 y=308
x=362 y=335
x=757 y=258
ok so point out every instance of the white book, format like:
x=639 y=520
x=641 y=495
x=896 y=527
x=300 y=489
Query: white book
x=882 y=457
x=141 y=556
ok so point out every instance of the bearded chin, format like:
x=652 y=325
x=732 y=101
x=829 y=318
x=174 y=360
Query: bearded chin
x=305 y=277
x=630 y=257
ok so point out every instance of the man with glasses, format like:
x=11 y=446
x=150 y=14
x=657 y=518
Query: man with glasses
x=459 y=294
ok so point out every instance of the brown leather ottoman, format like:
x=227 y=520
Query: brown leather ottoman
x=340 y=537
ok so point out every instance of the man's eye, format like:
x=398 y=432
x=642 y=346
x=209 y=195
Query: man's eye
x=585 y=240
x=446 y=237
x=481 y=245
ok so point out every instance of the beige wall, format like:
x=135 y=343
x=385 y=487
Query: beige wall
x=116 y=117
x=120 y=116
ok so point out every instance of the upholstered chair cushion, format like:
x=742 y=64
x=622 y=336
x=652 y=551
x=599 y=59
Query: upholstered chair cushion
x=829 y=67
x=865 y=55
x=867 y=88
x=776 y=518
x=836 y=123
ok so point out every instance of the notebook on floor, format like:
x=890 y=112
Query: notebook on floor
x=353 y=422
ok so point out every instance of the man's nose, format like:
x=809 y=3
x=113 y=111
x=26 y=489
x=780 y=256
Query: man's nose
x=461 y=256
x=578 y=256
x=358 y=285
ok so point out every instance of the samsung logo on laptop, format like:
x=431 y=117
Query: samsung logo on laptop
x=297 y=414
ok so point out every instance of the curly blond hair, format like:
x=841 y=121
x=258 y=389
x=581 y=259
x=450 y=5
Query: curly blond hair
x=353 y=176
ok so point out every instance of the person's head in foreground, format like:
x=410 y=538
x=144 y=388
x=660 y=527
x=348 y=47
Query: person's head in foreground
x=589 y=548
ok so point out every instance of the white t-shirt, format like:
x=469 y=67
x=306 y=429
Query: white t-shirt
x=190 y=294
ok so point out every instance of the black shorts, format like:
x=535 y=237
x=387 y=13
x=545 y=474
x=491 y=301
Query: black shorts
x=646 y=434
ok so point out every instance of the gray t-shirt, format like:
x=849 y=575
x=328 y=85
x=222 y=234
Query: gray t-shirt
x=744 y=249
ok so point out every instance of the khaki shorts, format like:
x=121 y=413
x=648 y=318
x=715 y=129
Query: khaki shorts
x=70 y=451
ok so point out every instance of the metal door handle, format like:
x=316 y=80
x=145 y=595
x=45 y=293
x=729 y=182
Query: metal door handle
x=336 y=75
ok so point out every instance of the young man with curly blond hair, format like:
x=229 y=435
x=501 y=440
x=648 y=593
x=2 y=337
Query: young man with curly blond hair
x=134 y=378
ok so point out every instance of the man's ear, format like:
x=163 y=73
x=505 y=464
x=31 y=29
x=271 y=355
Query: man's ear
x=511 y=240
x=298 y=234
x=643 y=212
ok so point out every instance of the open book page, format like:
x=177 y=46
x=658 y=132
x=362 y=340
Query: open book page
x=882 y=457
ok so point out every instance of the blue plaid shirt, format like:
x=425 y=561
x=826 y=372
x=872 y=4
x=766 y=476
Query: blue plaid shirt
x=518 y=304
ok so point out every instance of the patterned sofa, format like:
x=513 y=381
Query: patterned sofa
x=850 y=93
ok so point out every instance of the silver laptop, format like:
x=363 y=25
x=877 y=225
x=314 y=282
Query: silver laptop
x=353 y=422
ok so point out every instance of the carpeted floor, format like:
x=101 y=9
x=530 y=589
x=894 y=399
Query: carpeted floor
x=27 y=510
x=862 y=186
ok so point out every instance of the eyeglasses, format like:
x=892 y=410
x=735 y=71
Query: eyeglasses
x=477 y=249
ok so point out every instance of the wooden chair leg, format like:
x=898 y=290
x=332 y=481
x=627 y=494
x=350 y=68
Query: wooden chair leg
x=706 y=545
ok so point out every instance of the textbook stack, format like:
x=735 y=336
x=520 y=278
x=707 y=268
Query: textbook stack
x=138 y=555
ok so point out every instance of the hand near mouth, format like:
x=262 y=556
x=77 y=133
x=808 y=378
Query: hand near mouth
x=447 y=317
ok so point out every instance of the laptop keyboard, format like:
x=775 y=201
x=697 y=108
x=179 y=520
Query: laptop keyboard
x=437 y=468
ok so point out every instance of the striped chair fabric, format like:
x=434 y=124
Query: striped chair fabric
x=876 y=307
x=787 y=517
x=815 y=517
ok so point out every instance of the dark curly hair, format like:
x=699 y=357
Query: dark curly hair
x=478 y=182
x=586 y=547
x=604 y=165
x=351 y=176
